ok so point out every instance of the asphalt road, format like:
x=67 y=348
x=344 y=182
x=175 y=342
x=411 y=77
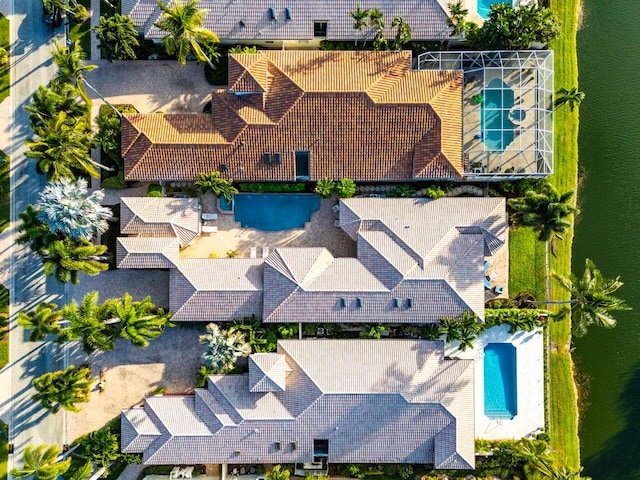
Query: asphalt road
x=31 y=45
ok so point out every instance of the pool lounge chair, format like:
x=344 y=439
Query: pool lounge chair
x=487 y=283
x=176 y=472
x=188 y=472
x=209 y=216
x=209 y=229
x=253 y=253
x=336 y=208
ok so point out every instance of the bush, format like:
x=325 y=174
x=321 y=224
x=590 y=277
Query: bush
x=154 y=190
x=4 y=56
x=115 y=182
x=232 y=253
x=288 y=330
x=434 y=192
x=272 y=187
x=201 y=376
x=402 y=191
x=346 y=188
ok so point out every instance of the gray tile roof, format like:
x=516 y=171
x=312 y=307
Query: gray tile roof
x=389 y=401
x=267 y=372
x=429 y=253
x=178 y=217
x=216 y=289
x=147 y=252
x=426 y=17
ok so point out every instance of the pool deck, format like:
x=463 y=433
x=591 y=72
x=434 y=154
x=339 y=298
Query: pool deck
x=530 y=383
x=519 y=155
x=319 y=232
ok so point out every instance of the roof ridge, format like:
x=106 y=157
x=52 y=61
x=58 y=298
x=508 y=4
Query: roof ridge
x=389 y=81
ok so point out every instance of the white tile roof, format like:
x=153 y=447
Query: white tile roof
x=386 y=401
x=163 y=216
x=427 y=18
x=147 y=252
x=267 y=372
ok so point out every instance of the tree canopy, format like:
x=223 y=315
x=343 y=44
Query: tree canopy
x=513 y=28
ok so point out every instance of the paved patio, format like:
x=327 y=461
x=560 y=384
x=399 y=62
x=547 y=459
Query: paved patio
x=130 y=373
x=319 y=232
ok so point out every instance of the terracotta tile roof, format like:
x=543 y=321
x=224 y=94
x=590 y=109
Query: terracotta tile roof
x=363 y=115
x=427 y=18
x=390 y=401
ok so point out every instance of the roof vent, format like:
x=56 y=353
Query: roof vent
x=278 y=446
x=238 y=453
x=343 y=302
x=294 y=445
x=272 y=14
x=359 y=302
x=267 y=158
x=287 y=14
x=277 y=158
x=241 y=24
x=409 y=302
x=223 y=167
x=396 y=302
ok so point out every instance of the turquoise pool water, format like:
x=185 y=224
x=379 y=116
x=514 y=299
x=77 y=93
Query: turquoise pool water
x=484 y=6
x=500 y=395
x=274 y=212
x=497 y=129
x=225 y=205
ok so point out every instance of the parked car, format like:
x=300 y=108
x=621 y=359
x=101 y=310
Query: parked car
x=53 y=17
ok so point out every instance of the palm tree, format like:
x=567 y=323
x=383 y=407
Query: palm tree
x=359 y=19
x=572 y=97
x=535 y=455
x=82 y=473
x=464 y=329
x=34 y=232
x=63 y=146
x=69 y=210
x=65 y=258
x=185 y=33
x=545 y=211
x=118 y=37
x=87 y=324
x=72 y=68
x=47 y=102
x=346 y=188
x=375 y=18
x=591 y=301
x=214 y=183
x=74 y=9
x=41 y=463
x=223 y=347
x=63 y=389
x=403 y=33
x=457 y=18
x=101 y=447
x=137 y=321
x=42 y=321
x=278 y=473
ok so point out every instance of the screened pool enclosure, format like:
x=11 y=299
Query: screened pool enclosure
x=507 y=111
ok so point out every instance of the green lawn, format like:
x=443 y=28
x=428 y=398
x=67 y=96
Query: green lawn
x=4 y=452
x=528 y=270
x=4 y=71
x=82 y=31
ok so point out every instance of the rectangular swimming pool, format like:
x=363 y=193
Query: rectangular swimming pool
x=273 y=212
x=500 y=385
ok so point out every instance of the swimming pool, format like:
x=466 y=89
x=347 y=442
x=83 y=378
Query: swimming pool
x=497 y=129
x=274 y=212
x=484 y=6
x=500 y=395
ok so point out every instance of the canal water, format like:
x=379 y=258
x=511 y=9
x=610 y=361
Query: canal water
x=608 y=232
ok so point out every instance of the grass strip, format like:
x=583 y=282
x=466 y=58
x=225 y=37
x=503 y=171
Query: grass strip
x=5 y=75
